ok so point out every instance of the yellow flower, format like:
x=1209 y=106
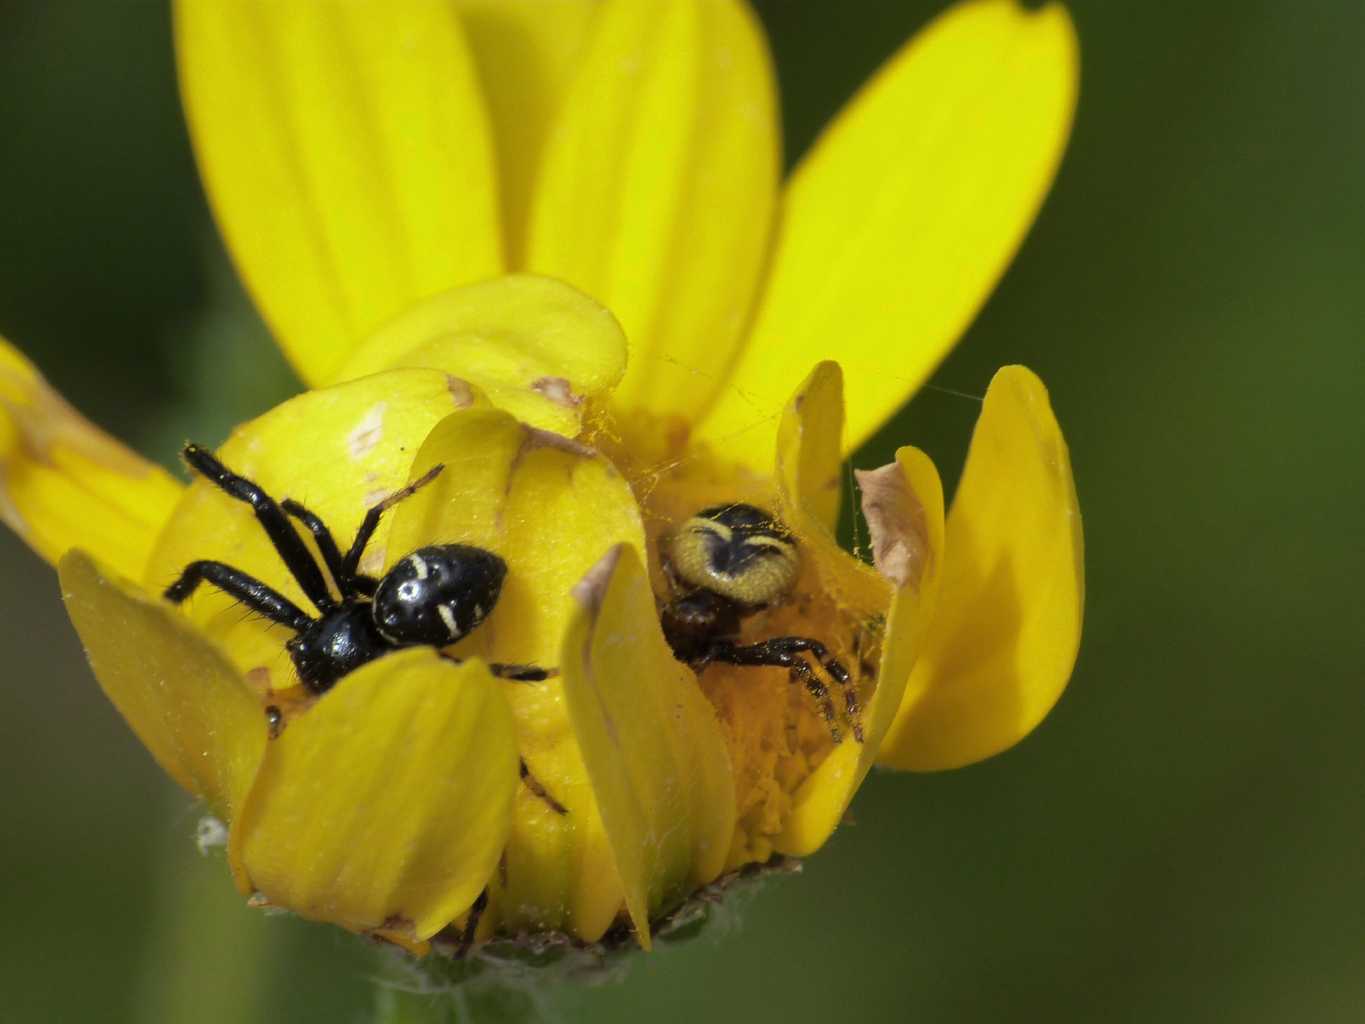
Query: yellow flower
x=367 y=165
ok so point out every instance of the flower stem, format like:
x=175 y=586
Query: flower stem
x=392 y=1006
x=207 y=956
x=480 y=1002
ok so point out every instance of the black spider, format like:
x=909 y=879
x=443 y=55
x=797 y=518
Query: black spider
x=726 y=563
x=433 y=597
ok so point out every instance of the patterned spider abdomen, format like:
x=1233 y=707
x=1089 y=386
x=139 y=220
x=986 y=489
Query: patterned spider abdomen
x=437 y=594
x=737 y=551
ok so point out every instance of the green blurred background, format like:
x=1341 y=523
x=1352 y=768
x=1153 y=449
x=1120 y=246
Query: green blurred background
x=1182 y=840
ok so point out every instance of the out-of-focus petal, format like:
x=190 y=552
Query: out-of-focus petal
x=179 y=694
x=535 y=346
x=900 y=221
x=903 y=503
x=346 y=154
x=387 y=803
x=525 y=52
x=64 y=482
x=549 y=507
x=810 y=480
x=1008 y=626
x=650 y=741
x=657 y=189
x=339 y=451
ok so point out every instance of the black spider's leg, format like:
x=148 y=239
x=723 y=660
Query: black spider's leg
x=522 y=673
x=247 y=589
x=836 y=671
x=327 y=545
x=471 y=926
x=290 y=546
x=537 y=790
x=350 y=586
x=370 y=523
x=772 y=652
x=512 y=673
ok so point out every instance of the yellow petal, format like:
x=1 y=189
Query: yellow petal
x=1008 y=625
x=339 y=451
x=903 y=503
x=179 y=694
x=810 y=481
x=536 y=347
x=385 y=804
x=64 y=482
x=345 y=152
x=904 y=215
x=653 y=750
x=658 y=185
x=526 y=52
x=549 y=507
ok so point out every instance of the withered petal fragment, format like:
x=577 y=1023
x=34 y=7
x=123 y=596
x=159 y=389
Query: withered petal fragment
x=896 y=523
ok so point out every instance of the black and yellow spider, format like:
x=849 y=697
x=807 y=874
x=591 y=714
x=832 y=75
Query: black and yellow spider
x=724 y=564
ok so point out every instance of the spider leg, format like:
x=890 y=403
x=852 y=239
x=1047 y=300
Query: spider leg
x=522 y=673
x=471 y=926
x=537 y=790
x=780 y=653
x=246 y=589
x=327 y=545
x=370 y=523
x=350 y=586
x=272 y=519
x=837 y=672
x=512 y=673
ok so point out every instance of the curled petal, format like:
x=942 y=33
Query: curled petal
x=182 y=697
x=810 y=480
x=903 y=503
x=535 y=346
x=65 y=483
x=387 y=803
x=650 y=742
x=549 y=506
x=901 y=219
x=526 y=52
x=657 y=189
x=346 y=154
x=1008 y=626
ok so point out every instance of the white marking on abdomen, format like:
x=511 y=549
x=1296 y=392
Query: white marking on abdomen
x=448 y=617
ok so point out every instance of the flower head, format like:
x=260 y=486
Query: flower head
x=405 y=190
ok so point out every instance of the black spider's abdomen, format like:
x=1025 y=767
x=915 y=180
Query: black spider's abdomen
x=437 y=594
x=338 y=643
